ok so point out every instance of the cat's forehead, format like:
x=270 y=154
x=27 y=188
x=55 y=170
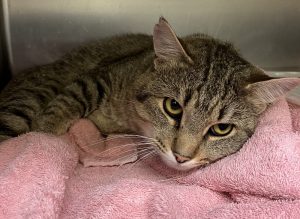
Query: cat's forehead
x=198 y=85
x=206 y=96
x=215 y=62
x=217 y=70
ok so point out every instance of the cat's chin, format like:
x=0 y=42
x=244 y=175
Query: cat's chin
x=171 y=162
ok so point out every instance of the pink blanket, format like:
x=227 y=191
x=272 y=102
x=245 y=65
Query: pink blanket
x=42 y=176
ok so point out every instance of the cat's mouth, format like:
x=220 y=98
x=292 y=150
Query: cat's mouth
x=169 y=159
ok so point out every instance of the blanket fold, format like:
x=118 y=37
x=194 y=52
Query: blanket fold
x=78 y=176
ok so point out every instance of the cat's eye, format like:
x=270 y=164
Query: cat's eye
x=172 y=108
x=221 y=129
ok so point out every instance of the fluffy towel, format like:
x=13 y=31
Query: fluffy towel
x=42 y=176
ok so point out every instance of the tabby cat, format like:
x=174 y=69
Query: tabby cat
x=196 y=96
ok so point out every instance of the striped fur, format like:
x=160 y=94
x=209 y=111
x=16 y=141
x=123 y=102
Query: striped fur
x=50 y=97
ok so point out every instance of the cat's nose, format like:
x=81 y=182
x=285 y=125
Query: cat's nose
x=181 y=159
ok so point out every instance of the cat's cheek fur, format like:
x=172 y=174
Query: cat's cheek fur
x=216 y=150
x=146 y=128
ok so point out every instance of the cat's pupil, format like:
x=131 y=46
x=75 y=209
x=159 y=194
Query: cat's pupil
x=175 y=105
x=223 y=126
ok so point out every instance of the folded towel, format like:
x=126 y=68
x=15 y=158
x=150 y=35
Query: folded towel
x=42 y=176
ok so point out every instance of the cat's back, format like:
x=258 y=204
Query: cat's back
x=33 y=89
x=78 y=62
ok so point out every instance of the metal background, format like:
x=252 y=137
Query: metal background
x=266 y=32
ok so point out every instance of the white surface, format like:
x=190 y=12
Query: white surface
x=266 y=32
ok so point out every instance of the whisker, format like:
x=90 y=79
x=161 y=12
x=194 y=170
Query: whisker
x=132 y=135
x=103 y=141
x=148 y=139
x=118 y=148
x=112 y=149
x=129 y=155
x=125 y=157
x=143 y=157
x=120 y=137
x=136 y=135
x=144 y=154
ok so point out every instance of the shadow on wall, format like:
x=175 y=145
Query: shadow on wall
x=4 y=67
x=4 y=78
x=5 y=73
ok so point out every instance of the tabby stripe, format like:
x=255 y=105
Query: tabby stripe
x=15 y=99
x=50 y=90
x=64 y=105
x=188 y=96
x=20 y=113
x=26 y=113
x=17 y=105
x=7 y=130
x=28 y=90
x=54 y=80
x=100 y=92
x=53 y=88
x=209 y=63
x=211 y=107
x=227 y=85
x=27 y=107
x=54 y=108
x=25 y=93
x=142 y=97
x=222 y=98
x=70 y=109
x=221 y=113
x=77 y=98
x=42 y=97
x=207 y=71
x=41 y=93
x=86 y=94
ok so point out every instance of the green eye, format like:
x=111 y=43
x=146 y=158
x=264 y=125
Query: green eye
x=221 y=129
x=172 y=108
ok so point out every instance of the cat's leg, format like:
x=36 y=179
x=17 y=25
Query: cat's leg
x=77 y=101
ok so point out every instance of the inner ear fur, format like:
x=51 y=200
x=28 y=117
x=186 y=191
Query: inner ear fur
x=263 y=90
x=167 y=47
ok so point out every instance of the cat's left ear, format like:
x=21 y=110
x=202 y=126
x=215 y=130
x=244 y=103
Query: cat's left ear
x=265 y=92
x=166 y=44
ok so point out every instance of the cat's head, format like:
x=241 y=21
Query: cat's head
x=201 y=101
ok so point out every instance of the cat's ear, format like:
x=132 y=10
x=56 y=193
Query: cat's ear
x=166 y=44
x=265 y=92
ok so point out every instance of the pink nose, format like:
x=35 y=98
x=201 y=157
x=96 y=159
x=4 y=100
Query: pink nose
x=181 y=159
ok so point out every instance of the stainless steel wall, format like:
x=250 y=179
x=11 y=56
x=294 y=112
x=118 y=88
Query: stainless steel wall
x=5 y=74
x=266 y=32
